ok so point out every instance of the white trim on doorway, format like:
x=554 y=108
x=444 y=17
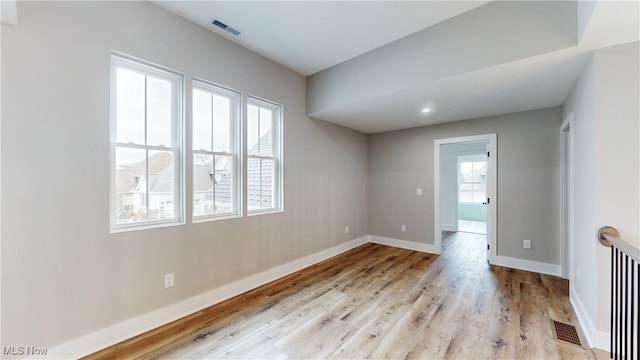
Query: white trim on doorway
x=492 y=176
x=567 y=161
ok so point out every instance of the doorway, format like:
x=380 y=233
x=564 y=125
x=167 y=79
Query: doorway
x=477 y=188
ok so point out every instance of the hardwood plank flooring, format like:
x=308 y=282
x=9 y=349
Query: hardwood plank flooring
x=378 y=302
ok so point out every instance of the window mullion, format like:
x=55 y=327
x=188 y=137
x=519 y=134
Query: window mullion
x=276 y=180
x=146 y=183
x=150 y=147
x=131 y=145
x=213 y=167
x=259 y=139
x=146 y=142
x=260 y=184
x=207 y=152
x=273 y=132
x=265 y=157
x=213 y=178
x=146 y=94
x=212 y=122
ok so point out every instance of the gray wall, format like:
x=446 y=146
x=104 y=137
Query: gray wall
x=604 y=103
x=63 y=273
x=528 y=181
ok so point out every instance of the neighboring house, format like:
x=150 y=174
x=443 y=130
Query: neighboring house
x=213 y=183
x=260 y=175
x=132 y=185
x=212 y=186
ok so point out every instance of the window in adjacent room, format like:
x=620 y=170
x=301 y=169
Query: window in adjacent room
x=264 y=162
x=215 y=151
x=146 y=146
x=472 y=181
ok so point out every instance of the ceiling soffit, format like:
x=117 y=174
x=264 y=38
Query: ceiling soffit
x=493 y=34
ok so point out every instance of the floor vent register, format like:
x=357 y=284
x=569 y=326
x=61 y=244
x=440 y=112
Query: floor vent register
x=565 y=332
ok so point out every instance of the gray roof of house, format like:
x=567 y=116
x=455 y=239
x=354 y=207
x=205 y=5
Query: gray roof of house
x=161 y=177
x=254 y=197
x=223 y=187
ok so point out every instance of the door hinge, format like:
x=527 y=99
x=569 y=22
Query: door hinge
x=488 y=246
x=488 y=153
x=488 y=200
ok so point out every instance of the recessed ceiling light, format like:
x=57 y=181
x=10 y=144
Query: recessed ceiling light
x=426 y=110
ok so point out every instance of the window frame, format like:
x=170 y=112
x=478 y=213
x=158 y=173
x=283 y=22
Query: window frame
x=176 y=79
x=277 y=154
x=235 y=145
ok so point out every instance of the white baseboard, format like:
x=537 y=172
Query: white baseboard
x=116 y=333
x=601 y=340
x=403 y=244
x=583 y=317
x=596 y=338
x=528 y=265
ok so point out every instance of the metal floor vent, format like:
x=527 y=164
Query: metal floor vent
x=566 y=333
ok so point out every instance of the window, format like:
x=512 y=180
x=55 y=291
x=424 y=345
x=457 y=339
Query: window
x=264 y=170
x=215 y=151
x=471 y=185
x=146 y=147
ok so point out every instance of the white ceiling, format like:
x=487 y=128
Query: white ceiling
x=309 y=36
x=533 y=83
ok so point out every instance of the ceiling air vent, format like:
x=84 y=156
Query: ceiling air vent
x=224 y=26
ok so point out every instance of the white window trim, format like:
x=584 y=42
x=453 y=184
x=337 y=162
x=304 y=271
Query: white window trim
x=235 y=144
x=119 y=59
x=277 y=148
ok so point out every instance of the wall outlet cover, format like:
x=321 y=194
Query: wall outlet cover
x=169 y=280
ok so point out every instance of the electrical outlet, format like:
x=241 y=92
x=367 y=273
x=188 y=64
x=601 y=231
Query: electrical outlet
x=527 y=244
x=419 y=192
x=168 y=280
x=346 y=229
x=403 y=228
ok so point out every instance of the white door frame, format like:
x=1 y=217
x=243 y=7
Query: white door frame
x=492 y=192
x=566 y=134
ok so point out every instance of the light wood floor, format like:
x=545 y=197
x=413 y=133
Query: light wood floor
x=379 y=302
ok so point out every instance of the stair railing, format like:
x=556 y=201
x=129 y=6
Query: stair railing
x=625 y=260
